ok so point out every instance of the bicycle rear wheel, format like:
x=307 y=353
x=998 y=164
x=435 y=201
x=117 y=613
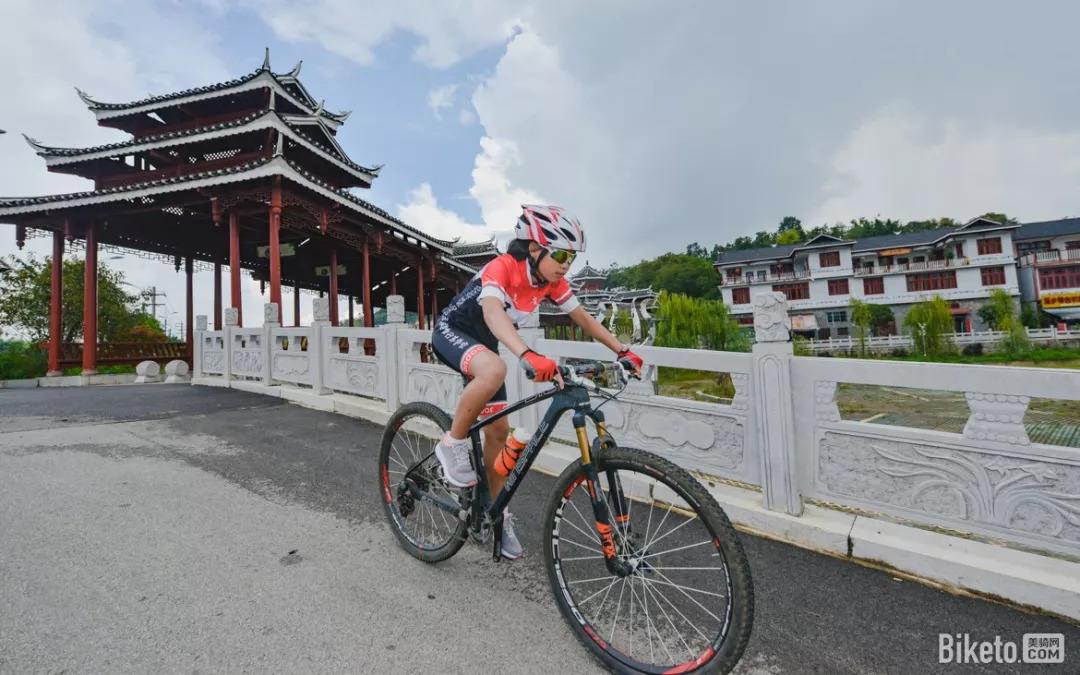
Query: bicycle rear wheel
x=686 y=602
x=426 y=531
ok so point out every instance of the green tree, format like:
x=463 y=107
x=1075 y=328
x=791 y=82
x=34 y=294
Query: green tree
x=861 y=316
x=25 y=293
x=929 y=323
x=789 y=237
x=697 y=323
x=998 y=311
x=790 y=223
x=697 y=250
x=999 y=218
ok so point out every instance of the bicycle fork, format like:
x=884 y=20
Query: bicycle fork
x=602 y=514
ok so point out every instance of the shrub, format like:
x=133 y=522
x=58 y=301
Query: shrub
x=899 y=351
x=22 y=361
x=929 y=323
x=973 y=349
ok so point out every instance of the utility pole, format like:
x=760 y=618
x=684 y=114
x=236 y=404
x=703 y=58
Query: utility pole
x=153 y=294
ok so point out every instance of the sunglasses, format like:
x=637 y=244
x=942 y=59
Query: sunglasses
x=561 y=256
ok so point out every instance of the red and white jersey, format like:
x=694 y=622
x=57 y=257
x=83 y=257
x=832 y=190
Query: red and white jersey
x=509 y=280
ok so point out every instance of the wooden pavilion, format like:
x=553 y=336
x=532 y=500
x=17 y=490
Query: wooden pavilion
x=248 y=174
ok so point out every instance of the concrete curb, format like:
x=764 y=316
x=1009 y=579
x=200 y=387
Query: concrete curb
x=1032 y=581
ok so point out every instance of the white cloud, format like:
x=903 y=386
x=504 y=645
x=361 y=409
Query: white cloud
x=908 y=167
x=448 y=31
x=466 y=117
x=441 y=98
x=423 y=211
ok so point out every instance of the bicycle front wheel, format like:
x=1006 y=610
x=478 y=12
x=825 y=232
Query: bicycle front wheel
x=684 y=601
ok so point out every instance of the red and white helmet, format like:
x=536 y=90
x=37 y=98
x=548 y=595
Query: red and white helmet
x=551 y=227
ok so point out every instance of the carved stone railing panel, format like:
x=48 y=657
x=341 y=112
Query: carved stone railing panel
x=291 y=359
x=347 y=366
x=247 y=352
x=1033 y=500
x=213 y=352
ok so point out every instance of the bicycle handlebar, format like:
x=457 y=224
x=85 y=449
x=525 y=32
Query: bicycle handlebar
x=580 y=374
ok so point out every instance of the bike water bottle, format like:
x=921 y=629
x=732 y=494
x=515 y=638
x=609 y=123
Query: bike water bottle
x=515 y=443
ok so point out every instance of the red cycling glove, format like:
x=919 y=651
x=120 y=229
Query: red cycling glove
x=543 y=368
x=627 y=355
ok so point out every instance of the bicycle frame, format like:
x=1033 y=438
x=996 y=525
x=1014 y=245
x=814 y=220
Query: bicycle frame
x=567 y=398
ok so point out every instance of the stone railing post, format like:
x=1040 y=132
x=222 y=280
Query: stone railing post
x=389 y=363
x=270 y=322
x=196 y=355
x=774 y=414
x=320 y=309
x=232 y=318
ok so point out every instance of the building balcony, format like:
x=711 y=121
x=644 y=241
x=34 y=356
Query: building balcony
x=1050 y=257
x=797 y=275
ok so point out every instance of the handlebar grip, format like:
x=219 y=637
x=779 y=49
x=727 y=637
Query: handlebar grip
x=630 y=368
x=529 y=371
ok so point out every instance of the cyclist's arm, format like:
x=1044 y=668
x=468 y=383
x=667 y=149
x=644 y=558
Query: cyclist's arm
x=595 y=329
x=500 y=325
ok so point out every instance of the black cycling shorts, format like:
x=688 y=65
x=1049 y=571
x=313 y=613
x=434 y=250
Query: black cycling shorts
x=456 y=349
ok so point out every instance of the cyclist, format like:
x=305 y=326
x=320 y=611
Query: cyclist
x=486 y=312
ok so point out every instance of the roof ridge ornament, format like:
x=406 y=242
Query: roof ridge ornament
x=266 y=59
x=37 y=146
x=86 y=97
x=295 y=72
x=319 y=110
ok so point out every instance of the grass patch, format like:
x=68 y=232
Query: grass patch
x=102 y=370
x=695 y=385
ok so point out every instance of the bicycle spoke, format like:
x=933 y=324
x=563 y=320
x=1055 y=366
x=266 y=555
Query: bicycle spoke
x=618 y=606
x=614 y=580
x=584 y=557
x=663 y=643
x=586 y=581
x=672 y=550
x=674 y=529
x=691 y=598
x=562 y=538
x=588 y=532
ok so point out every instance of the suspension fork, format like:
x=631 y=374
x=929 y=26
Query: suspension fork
x=596 y=496
x=619 y=502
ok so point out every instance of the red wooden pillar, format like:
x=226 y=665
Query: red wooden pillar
x=369 y=311
x=296 y=306
x=351 y=314
x=234 y=266
x=421 y=318
x=189 y=315
x=393 y=284
x=434 y=304
x=56 y=304
x=333 y=288
x=89 y=357
x=275 y=245
x=217 y=296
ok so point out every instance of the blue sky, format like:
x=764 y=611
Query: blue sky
x=657 y=124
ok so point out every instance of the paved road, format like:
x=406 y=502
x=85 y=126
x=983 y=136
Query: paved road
x=149 y=529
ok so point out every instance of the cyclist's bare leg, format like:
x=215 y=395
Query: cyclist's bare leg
x=488 y=371
x=495 y=435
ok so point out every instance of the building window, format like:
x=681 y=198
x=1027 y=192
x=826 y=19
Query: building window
x=1054 y=278
x=740 y=296
x=734 y=273
x=993 y=276
x=931 y=281
x=829 y=259
x=761 y=274
x=874 y=286
x=989 y=246
x=794 y=291
x=838 y=286
x=836 y=317
x=1072 y=245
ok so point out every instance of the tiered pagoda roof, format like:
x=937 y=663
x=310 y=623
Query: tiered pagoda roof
x=201 y=155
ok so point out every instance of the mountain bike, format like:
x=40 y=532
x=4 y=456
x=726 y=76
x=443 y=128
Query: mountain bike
x=644 y=564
